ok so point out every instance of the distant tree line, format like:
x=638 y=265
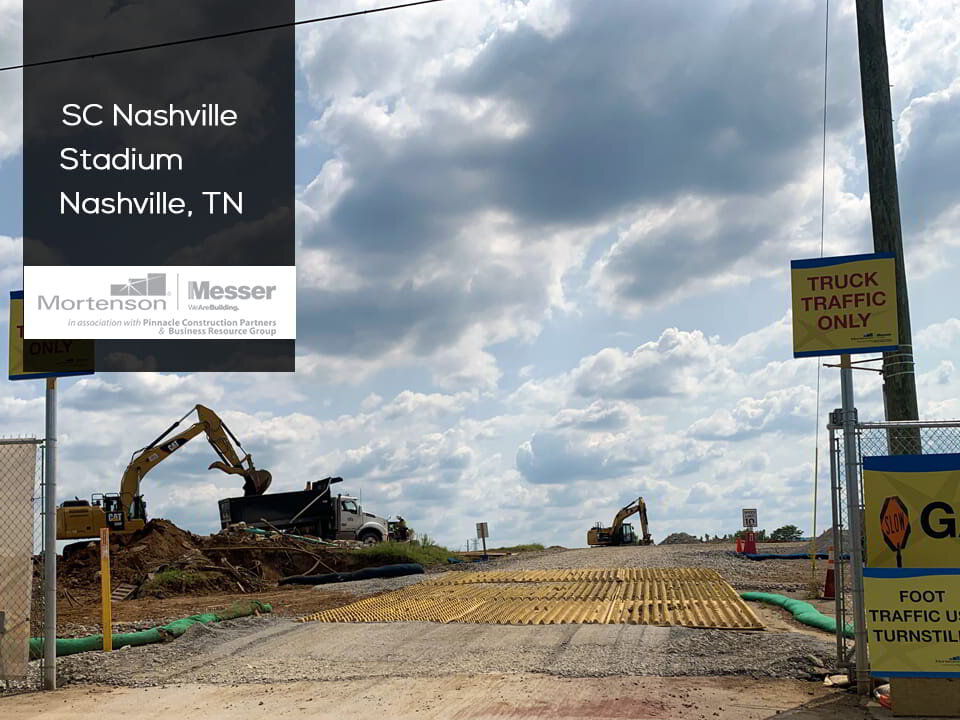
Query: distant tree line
x=787 y=533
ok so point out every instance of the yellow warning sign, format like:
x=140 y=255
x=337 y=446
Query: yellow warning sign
x=44 y=358
x=911 y=506
x=844 y=305
x=913 y=621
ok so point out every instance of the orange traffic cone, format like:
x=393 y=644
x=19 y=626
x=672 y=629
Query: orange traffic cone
x=750 y=544
x=829 y=583
x=739 y=546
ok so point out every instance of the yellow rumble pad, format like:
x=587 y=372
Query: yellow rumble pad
x=690 y=597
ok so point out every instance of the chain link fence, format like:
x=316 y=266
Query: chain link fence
x=881 y=438
x=21 y=558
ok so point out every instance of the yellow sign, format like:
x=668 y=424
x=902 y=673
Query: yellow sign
x=44 y=358
x=911 y=506
x=844 y=305
x=913 y=622
x=912 y=579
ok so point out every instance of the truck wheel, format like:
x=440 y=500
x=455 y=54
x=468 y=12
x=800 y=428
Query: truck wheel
x=369 y=537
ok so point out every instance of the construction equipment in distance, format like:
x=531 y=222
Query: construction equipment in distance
x=126 y=512
x=622 y=533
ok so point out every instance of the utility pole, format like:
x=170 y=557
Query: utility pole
x=899 y=382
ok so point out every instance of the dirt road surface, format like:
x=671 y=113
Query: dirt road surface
x=455 y=697
x=246 y=667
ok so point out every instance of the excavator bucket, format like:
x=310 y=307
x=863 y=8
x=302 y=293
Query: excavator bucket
x=256 y=482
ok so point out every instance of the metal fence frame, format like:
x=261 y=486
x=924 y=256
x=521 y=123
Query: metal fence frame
x=872 y=438
x=38 y=552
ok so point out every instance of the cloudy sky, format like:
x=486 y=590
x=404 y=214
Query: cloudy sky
x=543 y=263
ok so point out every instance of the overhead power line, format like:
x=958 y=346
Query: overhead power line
x=217 y=36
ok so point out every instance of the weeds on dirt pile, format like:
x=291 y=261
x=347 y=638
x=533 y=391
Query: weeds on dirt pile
x=389 y=553
x=178 y=581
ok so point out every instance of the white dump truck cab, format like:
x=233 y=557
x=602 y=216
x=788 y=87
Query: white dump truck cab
x=352 y=523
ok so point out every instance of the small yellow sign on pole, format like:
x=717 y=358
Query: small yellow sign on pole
x=31 y=359
x=105 y=589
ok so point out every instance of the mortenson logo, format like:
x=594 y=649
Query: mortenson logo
x=150 y=293
x=145 y=293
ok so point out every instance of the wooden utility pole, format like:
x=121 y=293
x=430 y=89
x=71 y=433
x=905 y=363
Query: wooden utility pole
x=900 y=387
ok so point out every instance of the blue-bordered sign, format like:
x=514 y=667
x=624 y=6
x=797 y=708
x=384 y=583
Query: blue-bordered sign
x=844 y=305
x=45 y=358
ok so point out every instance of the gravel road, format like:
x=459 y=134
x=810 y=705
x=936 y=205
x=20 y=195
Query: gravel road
x=271 y=649
x=265 y=650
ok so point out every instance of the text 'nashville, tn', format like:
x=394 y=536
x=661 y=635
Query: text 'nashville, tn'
x=160 y=202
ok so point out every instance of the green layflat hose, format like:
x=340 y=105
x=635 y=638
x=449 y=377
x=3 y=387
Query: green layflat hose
x=802 y=611
x=71 y=646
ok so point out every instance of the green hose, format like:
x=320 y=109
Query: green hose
x=71 y=646
x=802 y=611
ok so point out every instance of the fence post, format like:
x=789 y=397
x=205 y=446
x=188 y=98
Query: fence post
x=50 y=542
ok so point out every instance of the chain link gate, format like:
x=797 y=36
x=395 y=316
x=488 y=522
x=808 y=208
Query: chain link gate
x=21 y=559
x=880 y=438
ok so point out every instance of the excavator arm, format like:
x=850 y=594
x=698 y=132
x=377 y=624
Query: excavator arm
x=219 y=436
x=639 y=507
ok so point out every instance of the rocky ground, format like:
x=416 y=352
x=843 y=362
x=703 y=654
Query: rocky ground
x=274 y=648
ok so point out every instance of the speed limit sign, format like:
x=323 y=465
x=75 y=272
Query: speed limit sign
x=749 y=517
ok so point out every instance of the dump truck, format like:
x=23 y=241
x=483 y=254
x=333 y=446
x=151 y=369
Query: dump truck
x=313 y=511
x=620 y=532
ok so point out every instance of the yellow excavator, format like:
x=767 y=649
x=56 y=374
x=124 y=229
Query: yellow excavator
x=126 y=512
x=622 y=533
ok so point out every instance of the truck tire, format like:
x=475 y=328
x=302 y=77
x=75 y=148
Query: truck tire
x=369 y=537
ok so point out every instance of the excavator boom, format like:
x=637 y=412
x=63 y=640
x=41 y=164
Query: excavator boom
x=126 y=512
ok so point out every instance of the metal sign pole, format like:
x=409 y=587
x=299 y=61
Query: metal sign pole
x=50 y=541
x=851 y=473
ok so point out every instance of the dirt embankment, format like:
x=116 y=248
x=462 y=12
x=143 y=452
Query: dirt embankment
x=172 y=573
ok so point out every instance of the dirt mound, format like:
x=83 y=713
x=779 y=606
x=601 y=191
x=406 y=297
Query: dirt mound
x=162 y=560
x=680 y=538
x=825 y=540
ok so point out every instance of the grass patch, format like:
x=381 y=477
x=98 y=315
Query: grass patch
x=391 y=553
x=179 y=581
x=529 y=547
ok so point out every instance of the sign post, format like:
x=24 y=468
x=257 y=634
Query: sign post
x=47 y=359
x=482 y=534
x=749 y=523
x=845 y=305
x=105 y=589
